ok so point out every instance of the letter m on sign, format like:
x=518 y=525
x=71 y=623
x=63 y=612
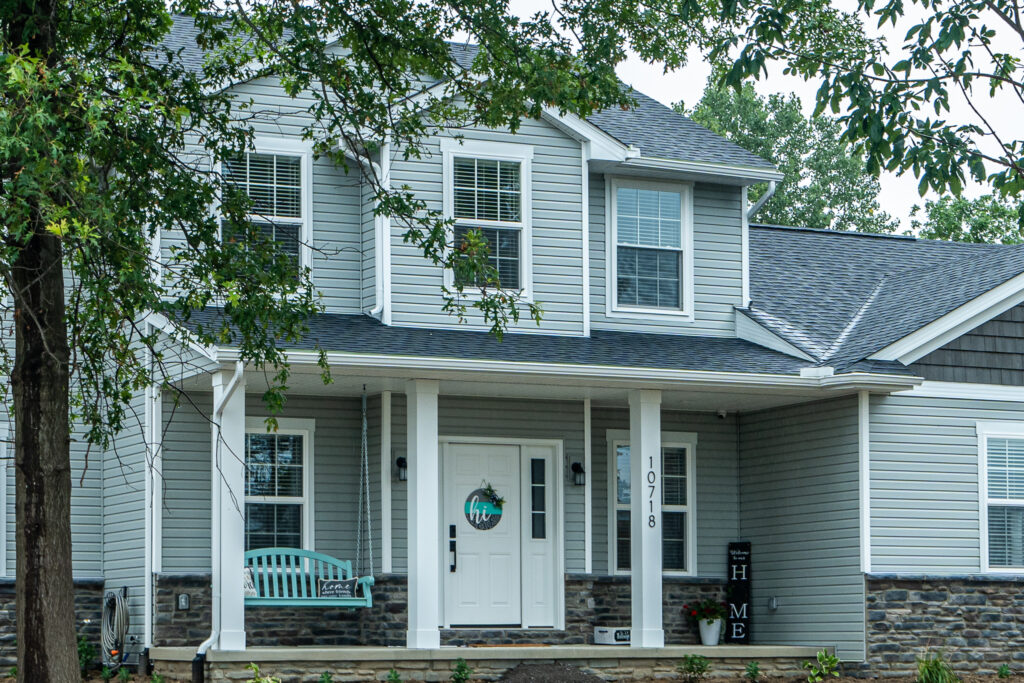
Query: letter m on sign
x=737 y=591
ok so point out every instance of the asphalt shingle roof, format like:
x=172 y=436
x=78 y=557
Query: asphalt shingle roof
x=362 y=334
x=656 y=130
x=841 y=296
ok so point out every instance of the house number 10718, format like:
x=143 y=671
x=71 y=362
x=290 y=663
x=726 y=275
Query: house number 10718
x=652 y=479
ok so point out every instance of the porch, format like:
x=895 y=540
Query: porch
x=569 y=574
x=488 y=663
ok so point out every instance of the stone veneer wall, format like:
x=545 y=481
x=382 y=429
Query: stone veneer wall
x=590 y=601
x=977 y=621
x=88 y=617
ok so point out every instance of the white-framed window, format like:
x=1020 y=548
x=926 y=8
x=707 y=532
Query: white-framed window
x=1001 y=488
x=277 y=176
x=650 y=248
x=678 y=528
x=279 y=484
x=488 y=187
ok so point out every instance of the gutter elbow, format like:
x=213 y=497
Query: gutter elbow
x=761 y=202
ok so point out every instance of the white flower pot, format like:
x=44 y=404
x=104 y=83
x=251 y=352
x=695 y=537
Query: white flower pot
x=710 y=631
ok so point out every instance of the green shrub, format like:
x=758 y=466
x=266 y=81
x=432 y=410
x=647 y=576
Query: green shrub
x=826 y=665
x=1004 y=671
x=123 y=675
x=86 y=654
x=753 y=672
x=13 y=671
x=326 y=677
x=106 y=674
x=693 y=668
x=393 y=677
x=156 y=678
x=935 y=669
x=257 y=677
x=461 y=673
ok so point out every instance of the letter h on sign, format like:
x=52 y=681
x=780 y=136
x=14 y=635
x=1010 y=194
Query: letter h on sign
x=737 y=626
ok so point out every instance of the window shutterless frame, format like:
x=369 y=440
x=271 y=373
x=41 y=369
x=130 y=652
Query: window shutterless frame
x=306 y=429
x=612 y=307
x=303 y=150
x=988 y=431
x=495 y=151
x=686 y=440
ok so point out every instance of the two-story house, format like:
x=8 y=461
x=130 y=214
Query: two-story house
x=851 y=405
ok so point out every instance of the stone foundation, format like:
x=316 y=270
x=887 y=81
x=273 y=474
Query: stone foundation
x=977 y=621
x=589 y=601
x=488 y=664
x=88 y=617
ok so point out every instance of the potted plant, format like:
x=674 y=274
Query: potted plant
x=709 y=615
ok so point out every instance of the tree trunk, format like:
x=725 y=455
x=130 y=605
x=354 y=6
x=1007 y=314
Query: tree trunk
x=46 y=613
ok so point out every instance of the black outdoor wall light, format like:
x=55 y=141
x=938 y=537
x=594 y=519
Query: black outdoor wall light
x=578 y=474
x=403 y=469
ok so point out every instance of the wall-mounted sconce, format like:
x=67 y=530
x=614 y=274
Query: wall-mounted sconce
x=403 y=469
x=579 y=477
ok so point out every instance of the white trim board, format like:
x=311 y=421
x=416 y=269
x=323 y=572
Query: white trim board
x=749 y=329
x=955 y=323
x=966 y=390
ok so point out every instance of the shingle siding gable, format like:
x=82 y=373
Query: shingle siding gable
x=992 y=353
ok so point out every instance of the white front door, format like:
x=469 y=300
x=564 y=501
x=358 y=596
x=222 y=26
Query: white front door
x=483 y=553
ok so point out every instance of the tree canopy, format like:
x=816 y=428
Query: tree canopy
x=989 y=218
x=826 y=184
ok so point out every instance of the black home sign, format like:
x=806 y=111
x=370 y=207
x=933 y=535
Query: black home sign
x=737 y=592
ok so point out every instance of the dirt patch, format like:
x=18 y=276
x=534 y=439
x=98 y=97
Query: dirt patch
x=548 y=673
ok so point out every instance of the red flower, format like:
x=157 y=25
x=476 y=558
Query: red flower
x=693 y=613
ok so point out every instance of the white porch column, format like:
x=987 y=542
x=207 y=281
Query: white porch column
x=424 y=484
x=645 y=517
x=228 y=481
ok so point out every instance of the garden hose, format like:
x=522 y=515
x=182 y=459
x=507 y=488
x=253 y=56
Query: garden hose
x=115 y=627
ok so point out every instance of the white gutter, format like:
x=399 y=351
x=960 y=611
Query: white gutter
x=760 y=202
x=215 y=544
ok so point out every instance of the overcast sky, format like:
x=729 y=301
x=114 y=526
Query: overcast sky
x=898 y=195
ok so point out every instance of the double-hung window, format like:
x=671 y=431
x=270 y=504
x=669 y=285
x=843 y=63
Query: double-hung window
x=677 y=528
x=1002 y=487
x=277 y=180
x=650 y=248
x=487 y=189
x=278 y=483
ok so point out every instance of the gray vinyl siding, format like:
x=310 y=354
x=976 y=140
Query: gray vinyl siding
x=336 y=449
x=125 y=467
x=399 y=489
x=717 y=264
x=557 y=244
x=799 y=507
x=716 y=483
x=989 y=354
x=924 y=482
x=337 y=199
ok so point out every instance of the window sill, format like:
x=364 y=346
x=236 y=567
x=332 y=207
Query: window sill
x=640 y=313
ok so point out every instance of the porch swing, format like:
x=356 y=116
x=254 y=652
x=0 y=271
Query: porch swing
x=293 y=577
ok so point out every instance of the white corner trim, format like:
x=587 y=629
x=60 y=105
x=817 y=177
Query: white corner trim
x=966 y=390
x=588 y=491
x=612 y=307
x=386 y=468
x=745 y=248
x=754 y=332
x=385 y=253
x=864 y=480
x=585 y=152
x=955 y=323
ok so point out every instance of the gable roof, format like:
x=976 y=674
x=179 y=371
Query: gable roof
x=842 y=296
x=659 y=132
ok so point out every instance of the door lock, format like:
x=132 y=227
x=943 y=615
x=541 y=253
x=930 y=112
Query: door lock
x=452 y=562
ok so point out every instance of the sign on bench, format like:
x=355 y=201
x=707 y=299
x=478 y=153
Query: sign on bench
x=338 y=588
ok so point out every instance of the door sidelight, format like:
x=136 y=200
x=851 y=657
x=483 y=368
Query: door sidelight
x=451 y=548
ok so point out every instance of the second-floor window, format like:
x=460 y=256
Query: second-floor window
x=487 y=189
x=651 y=247
x=276 y=184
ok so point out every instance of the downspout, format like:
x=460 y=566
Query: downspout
x=199 y=661
x=382 y=237
x=760 y=202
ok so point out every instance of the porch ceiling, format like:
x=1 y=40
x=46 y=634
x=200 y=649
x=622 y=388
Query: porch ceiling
x=710 y=394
